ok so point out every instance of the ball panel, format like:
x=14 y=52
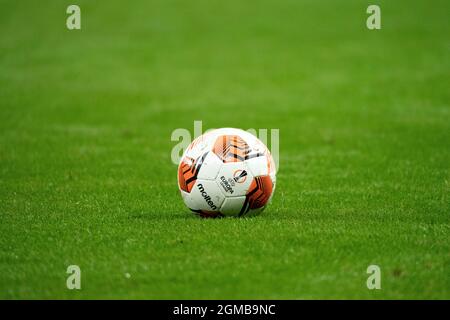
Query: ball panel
x=200 y=145
x=258 y=195
x=258 y=166
x=188 y=200
x=234 y=179
x=231 y=148
x=207 y=195
x=210 y=167
x=188 y=171
x=232 y=206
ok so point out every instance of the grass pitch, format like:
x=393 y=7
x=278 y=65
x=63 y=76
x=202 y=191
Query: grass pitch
x=85 y=124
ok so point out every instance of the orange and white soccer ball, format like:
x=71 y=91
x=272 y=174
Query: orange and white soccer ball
x=226 y=172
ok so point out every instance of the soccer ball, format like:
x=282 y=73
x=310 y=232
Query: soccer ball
x=226 y=172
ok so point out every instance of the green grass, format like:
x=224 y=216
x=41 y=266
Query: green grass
x=85 y=171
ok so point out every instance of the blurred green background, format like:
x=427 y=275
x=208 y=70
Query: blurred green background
x=85 y=171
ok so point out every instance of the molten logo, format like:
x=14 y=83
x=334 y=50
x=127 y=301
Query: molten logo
x=206 y=197
x=240 y=176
